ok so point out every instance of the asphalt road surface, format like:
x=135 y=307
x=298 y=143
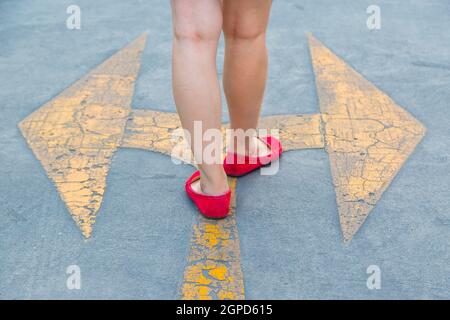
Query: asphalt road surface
x=290 y=239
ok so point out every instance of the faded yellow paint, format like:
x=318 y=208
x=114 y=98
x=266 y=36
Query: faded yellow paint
x=296 y=132
x=153 y=130
x=220 y=273
x=76 y=134
x=214 y=259
x=367 y=135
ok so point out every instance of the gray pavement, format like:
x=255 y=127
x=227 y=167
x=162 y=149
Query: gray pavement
x=290 y=248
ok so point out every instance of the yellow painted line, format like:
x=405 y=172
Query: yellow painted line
x=76 y=134
x=214 y=270
x=152 y=130
x=296 y=132
x=368 y=136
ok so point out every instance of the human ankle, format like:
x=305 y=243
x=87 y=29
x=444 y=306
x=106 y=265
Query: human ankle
x=214 y=184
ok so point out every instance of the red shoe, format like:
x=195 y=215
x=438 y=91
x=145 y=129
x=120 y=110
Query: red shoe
x=215 y=207
x=237 y=165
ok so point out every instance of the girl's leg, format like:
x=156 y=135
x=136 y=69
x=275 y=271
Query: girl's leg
x=197 y=25
x=245 y=68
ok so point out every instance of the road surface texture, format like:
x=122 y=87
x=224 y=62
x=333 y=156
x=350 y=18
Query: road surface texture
x=287 y=225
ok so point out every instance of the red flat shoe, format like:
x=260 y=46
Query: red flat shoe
x=215 y=207
x=237 y=165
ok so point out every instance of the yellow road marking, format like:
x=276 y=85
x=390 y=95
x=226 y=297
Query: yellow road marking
x=214 y=270
x=368 y=136
x=297 y=132
x=152 y=130
x=76 y=134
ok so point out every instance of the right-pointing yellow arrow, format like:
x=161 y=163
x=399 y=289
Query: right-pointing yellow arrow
x=367 y=135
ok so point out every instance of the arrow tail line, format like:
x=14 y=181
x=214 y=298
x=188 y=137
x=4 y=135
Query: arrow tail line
x=152 y=130
x=214 y=269
x=296 y=132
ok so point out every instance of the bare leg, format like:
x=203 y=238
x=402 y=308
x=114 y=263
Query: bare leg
x=197 y=27
x=245 y=69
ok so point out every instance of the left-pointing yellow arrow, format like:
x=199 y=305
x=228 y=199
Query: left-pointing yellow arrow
x=76 y=134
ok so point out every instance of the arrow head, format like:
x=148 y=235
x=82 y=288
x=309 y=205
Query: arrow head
x=75 y=134
x=367 y=135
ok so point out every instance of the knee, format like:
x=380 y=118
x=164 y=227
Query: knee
x=244 y=31
x=189 y=29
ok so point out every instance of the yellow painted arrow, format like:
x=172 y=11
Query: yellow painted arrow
x=76 y=134
x=368 y=136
